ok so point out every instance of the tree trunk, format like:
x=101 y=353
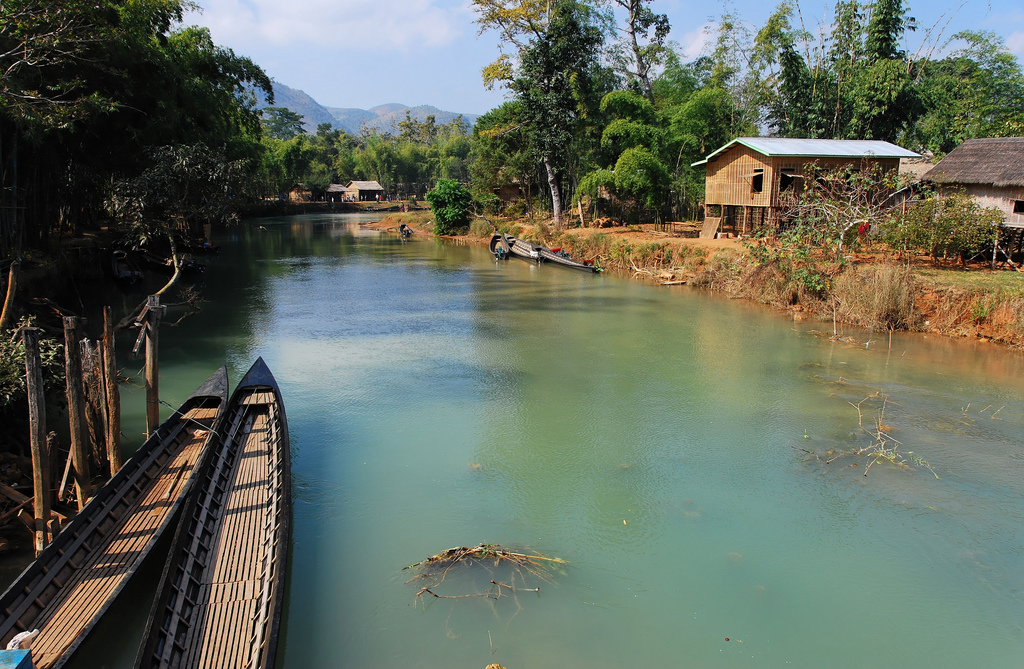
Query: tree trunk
x=129 y=320
x=7 y=315
x=76 y=412
x=556 y=195
x=641 y=66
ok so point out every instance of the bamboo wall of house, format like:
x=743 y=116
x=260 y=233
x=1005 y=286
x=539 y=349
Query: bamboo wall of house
x=732 y=179
x=1007 y=199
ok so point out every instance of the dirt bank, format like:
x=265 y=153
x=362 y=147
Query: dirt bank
x=872 y=292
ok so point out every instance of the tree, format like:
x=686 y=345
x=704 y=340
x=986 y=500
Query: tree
x=639 y=50
x=185 y=186
x=976 y=91
x=502 y=151
x=282 y=123
x=450 y=202
x=553 y=77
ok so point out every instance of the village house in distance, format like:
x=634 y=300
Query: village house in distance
x=355 y=191
x=748 y=178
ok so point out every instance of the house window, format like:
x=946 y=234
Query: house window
x=1018 y=206
x=757 y=182
x=786 y=179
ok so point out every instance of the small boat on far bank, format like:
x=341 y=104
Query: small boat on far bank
x=563 y=258
x=125 y=271
x=502 y=246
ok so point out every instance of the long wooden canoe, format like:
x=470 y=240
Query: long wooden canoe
x=75 y=579
x=525 y=250
x=562 y=258
x=221 y=594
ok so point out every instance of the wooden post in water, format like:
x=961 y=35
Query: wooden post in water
x=76 y=408
x=113 y=394
x=153 y=314
x=37 y=429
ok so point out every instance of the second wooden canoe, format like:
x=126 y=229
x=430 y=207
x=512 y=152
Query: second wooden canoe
x=222 y=591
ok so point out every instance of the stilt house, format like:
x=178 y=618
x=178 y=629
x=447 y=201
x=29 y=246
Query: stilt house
x=989 y=170
x=748 y=180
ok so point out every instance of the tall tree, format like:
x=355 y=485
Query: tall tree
x=553 y=77
x=642 y=46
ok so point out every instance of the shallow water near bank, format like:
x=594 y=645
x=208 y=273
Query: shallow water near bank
x=664 y=441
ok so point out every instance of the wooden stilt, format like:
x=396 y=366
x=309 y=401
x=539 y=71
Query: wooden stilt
x=153 y=314
x=112 y=394
x=37 y=429
x=76 y=408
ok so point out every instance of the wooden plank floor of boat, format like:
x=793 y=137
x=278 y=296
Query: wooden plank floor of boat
x=233 y=590
x=106 y=565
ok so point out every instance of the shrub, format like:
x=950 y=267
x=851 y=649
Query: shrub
x=954 y=226
x=451 y=203
x=480 y=228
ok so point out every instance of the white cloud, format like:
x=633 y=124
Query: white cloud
x=342 y=25
x=697 y=42
x=1015 y=43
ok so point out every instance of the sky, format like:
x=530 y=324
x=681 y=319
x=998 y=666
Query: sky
x=362 y=53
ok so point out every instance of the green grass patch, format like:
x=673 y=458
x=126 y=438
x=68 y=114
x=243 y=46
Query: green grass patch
x=975 y=281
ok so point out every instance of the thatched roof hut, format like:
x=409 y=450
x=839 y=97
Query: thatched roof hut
x=991 y=170
x=994 y=162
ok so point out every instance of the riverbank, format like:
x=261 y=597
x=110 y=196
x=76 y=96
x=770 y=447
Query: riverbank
x=872 y=291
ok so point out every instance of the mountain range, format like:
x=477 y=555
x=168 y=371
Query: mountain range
x=381 y=118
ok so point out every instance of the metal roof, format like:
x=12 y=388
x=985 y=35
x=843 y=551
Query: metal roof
x=817 y=148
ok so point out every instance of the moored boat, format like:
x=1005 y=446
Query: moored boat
x=563 y=258
x=523 y=249
x=124 y=269
x=503 y=245
x=500 y=247
x=73 y=582
x=221 y=595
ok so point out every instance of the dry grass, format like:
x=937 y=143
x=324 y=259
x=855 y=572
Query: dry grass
x=876 y=297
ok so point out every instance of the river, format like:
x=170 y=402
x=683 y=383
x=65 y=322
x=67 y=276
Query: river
x=670 y=444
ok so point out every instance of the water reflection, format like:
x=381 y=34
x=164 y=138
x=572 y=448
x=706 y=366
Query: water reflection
x=656 y=439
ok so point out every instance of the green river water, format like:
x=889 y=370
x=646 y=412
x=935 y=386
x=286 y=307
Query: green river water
x=656 y=438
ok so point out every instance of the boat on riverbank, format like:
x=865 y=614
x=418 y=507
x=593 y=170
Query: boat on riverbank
x=563 y=258
x=499 y=246
x=523 y=249
x=124 y=269
x=221 y=595
x=74 y=581
x=502 y=246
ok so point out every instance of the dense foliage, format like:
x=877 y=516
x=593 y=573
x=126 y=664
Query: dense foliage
x=854 y=82
x=451 y=203
x=100 y=98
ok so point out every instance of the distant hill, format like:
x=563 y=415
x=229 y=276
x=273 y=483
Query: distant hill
x=299 y=102
x=381 y=117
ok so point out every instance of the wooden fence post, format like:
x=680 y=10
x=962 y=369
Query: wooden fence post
x=76 y=408
x=37 y=429
x=113 y=393
x=153 y=313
